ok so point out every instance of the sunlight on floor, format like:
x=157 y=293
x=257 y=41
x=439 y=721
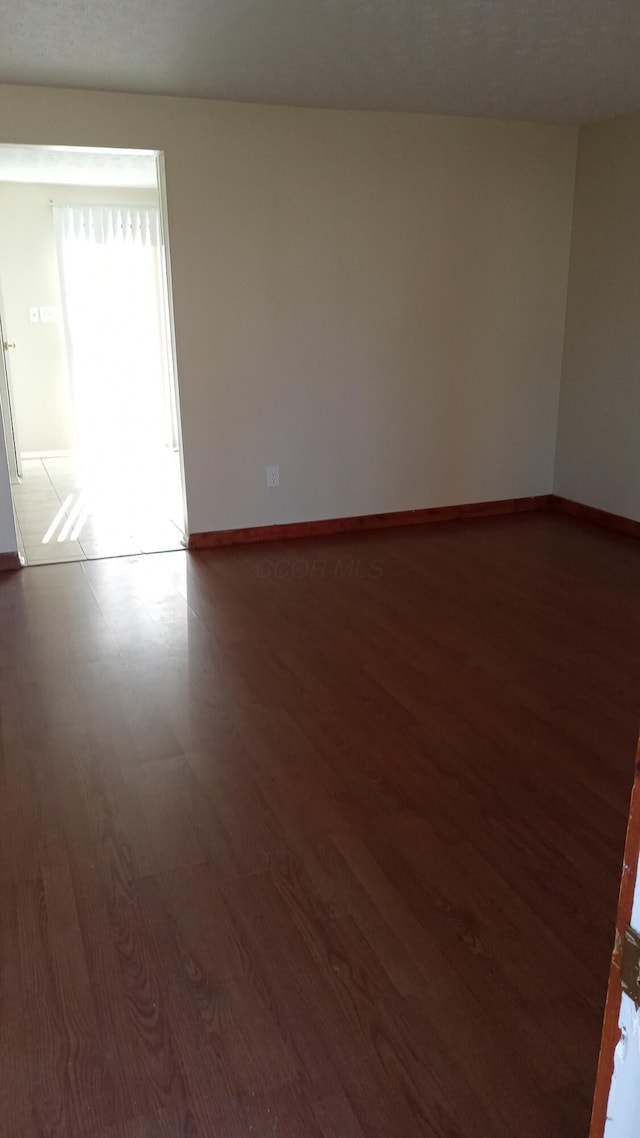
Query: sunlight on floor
x=71 y=510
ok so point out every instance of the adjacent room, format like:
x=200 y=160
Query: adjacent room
x=315 y=827
x=88 y=385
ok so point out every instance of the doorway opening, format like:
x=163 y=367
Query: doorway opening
x=88 y=389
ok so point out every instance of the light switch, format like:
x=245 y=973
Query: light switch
x=34 y=315
x=47 y=315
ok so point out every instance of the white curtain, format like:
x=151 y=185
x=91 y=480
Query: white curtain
x=114 y=293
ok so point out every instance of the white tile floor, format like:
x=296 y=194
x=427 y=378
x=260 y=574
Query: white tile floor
x=67 y=511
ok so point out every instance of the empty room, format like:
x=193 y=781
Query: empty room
x=317 y=803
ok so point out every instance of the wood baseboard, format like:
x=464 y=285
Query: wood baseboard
x=213 y=539
x=294 y=530
x=598 y=517
x=9 y=562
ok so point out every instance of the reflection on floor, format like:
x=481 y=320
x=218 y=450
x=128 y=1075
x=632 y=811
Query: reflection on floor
x=68 y=510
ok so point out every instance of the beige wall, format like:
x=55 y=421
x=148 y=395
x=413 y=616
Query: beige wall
x=29 y=277
x=598 y=446
x=374 y=302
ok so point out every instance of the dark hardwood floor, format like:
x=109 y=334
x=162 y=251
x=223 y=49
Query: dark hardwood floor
x=315 y=840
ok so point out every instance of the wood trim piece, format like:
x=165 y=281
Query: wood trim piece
x=10 y=562
x=293 y=530
x=599 y=517
x=610 y=1028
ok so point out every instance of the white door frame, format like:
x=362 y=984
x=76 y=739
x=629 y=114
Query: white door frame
x=7 y=402
x=173 y=360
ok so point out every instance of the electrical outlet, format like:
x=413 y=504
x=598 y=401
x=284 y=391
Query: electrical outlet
x=273 y=476
x=47 y=314
x=34 y=315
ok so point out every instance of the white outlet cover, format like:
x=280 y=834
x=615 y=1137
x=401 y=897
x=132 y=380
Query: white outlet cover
x=47 y=314
x=34 y=315
x=273 y=476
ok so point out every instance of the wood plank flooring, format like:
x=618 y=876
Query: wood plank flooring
x=315 y=840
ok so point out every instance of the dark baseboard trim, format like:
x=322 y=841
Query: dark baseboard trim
x=9 y=562
x=597 y=517
x=213 y=539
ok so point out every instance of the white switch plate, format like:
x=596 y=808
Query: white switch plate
x=273 y=476
x=47 y=315
x=34 y=315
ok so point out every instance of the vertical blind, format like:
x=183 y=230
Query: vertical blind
x=111 y=261
x=103 y=224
